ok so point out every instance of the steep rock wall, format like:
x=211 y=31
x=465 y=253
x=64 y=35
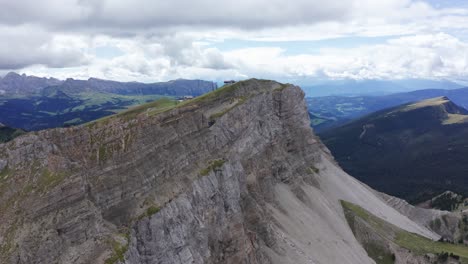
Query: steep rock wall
x=236 y=176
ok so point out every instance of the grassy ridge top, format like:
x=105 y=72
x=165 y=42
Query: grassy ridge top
x=425 y=103
x=242 y=89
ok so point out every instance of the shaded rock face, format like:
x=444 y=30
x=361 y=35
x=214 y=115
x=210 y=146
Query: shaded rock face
x=236 y=176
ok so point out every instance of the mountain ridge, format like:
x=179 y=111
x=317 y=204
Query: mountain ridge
x=234 y=175
x=334 y=111
x=375 y=87
x=40 y=104
x=16 y=84
x=417 y=145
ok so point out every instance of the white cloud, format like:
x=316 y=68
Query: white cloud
x=420 y=56
x=26 y=45
x=131 y=14
x=161 y=40
x=431 y=56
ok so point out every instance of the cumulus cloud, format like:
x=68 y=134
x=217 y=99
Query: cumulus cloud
x=47 y=12
x=160 y=13
x=161 y=40
x=421 y=56
x=121 y=17
x=426 y=56
x=23 y=46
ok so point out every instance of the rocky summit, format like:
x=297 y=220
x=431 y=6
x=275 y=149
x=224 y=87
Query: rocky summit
x=233 y=176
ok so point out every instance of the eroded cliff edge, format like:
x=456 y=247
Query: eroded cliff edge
x=235 y=176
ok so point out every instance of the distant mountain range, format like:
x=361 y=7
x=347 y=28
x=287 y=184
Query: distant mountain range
x=34 y=103
x=332 y=111
x=374 y=87
x=15 y=84
x=414 y=151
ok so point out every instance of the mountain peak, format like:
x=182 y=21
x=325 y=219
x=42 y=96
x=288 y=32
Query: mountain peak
x=442 y=104
x=11 y=75
x=14 y=83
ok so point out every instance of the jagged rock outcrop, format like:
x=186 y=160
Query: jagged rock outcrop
x=449 y=225
x=235 y=176
x=387 y=243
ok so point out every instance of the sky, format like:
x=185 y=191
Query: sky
x=296 y=41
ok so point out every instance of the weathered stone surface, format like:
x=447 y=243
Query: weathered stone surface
x=3 y=164
x=447 y=224
x=233 y=177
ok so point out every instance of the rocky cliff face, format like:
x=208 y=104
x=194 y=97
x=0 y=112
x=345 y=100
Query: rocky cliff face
x=235 y=176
